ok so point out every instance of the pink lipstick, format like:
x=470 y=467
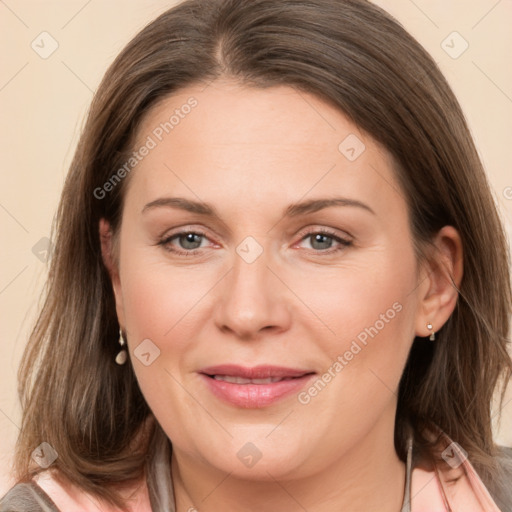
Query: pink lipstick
x=256 y=387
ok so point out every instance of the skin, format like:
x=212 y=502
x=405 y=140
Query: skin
x=251 y=153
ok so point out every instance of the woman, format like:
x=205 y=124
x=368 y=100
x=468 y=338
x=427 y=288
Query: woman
x=276 y=209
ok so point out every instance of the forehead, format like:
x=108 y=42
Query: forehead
x=226 y=139
x=238 y=113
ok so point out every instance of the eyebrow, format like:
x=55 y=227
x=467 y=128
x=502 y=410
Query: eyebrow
x=293 y=210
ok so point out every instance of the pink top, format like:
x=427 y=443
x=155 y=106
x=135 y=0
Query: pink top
x=431 y=491
x=72 y=499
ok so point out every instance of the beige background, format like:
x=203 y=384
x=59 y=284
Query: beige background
x=43 y=102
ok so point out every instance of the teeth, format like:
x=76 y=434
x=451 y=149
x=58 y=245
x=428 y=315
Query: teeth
x=242 y=380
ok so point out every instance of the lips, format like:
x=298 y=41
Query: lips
x=256 y=372
x=254 y=387
x=242 y=380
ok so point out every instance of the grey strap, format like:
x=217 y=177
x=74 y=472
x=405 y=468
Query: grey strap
x=27 y=497
x=406 y=506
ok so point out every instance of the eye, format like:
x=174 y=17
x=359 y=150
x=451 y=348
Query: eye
x=322 y=241
x=188 y=242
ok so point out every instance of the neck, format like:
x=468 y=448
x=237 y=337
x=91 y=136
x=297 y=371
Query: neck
x=366 y=478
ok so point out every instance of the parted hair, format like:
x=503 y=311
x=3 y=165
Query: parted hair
x=359 y=59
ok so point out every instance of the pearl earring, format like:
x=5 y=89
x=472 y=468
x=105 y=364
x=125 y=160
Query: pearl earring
x=122 y=356
x=432 y=334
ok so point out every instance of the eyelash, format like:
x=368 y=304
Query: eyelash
x=343 y=243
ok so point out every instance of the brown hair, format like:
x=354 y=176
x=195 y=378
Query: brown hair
x=351 y=54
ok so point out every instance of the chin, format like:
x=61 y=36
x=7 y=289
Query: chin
x=259 y=459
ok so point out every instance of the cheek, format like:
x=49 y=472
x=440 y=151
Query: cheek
x=161 y=305
x=370 y=312
x=161 y=302
x=374 y=326
x=360 y=301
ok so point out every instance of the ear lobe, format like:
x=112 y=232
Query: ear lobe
x=444 y=276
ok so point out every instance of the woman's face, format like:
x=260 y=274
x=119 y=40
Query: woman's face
x=262 y=229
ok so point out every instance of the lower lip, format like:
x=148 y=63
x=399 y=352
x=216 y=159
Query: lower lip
x=253 y=396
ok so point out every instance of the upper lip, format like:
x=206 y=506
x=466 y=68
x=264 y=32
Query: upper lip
x=255 y=372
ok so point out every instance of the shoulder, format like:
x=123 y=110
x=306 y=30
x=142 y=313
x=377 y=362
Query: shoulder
x=47 y=492
x=70 y=498
x=502 y=492
x=452 y=483
x=27 y=497
x=505 y=459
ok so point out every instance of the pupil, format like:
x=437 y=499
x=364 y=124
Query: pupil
x=189 y=239
x=321 y=239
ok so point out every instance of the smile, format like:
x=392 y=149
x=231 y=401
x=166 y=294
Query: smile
x=256 y=387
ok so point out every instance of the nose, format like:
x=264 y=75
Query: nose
x=253 y=299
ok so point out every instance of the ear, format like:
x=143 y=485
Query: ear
x=111 y=264
x=440 y=281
